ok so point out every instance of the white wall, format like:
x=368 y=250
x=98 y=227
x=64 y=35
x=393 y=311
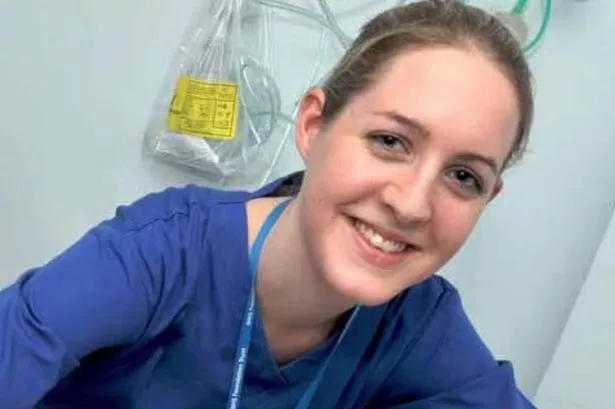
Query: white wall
x=523 y=269
x=79 y=77
x=581 y=373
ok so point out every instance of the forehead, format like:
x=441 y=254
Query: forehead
x=459 y=95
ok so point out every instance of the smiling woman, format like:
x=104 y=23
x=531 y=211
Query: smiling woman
x=416 y=156
x=318 y=290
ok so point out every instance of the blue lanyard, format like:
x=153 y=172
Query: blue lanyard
x=245 y=334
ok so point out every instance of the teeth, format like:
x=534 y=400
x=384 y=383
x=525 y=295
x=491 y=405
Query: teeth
x=378 y=241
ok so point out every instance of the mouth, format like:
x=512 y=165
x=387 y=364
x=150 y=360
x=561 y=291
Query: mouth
x=380 y=248
x=378 y=240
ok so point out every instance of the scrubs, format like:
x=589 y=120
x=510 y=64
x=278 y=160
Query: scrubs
x=145 y=310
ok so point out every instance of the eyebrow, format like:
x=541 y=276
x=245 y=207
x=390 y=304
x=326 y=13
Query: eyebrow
x=411 y=124
x=475 y=157
x=416 y=127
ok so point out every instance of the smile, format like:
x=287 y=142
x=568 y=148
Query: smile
x=379 y=248
x=378 y=241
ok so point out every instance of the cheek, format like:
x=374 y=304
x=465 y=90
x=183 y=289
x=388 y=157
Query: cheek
x=453 y=223
x=342 y=168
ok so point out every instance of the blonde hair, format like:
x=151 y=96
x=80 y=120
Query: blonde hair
x=426 y=24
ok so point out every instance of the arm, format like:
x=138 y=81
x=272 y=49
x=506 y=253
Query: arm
x=450 y=368
x=494 y=389
x=124 y=279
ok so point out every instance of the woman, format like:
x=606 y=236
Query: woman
x=317 y=290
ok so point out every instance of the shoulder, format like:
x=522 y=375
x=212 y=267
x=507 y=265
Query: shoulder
x=170 y=203
x=189 y=201
x=438 y=357
x=441 y=348
x=424 y=306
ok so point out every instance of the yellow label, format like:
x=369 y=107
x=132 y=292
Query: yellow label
x=205 y=109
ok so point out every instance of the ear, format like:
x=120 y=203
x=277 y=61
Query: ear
x=497 y=189
x=309 y=120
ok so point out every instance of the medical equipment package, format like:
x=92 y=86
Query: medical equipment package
x=212 y=116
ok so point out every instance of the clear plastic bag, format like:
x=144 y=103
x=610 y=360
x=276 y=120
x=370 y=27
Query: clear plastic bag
x=218 y=107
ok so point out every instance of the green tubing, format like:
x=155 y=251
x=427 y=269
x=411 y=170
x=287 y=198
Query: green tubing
x=543 y=27
x=520 y=8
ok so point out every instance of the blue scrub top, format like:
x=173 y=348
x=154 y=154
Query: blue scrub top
x=144 y=312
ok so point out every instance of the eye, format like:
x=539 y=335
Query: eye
x=467 y=180
x=388 y=141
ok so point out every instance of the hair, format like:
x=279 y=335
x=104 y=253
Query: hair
x=424 y=24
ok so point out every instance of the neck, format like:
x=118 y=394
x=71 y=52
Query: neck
x=297 y=306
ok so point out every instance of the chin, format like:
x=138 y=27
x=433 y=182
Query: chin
x=366 y=275
x=364 y=291
x=370 y=299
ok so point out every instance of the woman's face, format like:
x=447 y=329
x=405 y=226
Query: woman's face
x=395 y=184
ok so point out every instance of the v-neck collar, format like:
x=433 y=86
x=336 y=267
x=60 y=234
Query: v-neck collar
x=262 y=366
x=302 y=367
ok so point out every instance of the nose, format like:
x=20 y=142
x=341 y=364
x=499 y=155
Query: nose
x=410 y=197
